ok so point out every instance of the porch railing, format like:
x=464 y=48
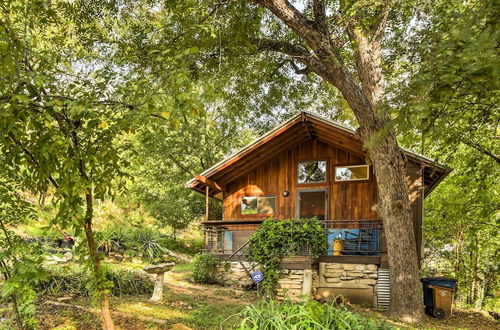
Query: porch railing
x=354 y=237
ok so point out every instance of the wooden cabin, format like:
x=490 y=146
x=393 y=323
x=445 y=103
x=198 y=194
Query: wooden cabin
x=312 y=167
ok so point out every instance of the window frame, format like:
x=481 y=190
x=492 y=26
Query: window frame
x=327 y=172
x=258 y=214
x=368 y=178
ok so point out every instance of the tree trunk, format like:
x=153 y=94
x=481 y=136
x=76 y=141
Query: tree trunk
x=19 y=318
x=7 y=275
x=394 y=209
x=106 y=314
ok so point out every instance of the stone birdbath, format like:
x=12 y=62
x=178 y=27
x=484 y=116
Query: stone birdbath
x=159 y=270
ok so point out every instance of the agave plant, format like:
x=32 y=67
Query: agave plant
x=150 y=243
x=112 y=239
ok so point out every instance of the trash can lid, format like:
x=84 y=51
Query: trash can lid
x=440 y=281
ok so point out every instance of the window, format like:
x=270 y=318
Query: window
x=258 y=204
x=314 y=171
x=352 y=173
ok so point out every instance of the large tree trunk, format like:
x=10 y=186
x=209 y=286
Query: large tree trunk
x=106 y=314
x=365 y=95
x=394 y=209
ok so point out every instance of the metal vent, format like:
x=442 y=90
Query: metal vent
x=383 y=288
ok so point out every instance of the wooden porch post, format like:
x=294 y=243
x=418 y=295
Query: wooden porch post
x=207 y=189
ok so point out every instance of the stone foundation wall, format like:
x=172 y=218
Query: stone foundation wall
x=291 y=285
x=348 y=275
x=358 y=282
x=236 y=274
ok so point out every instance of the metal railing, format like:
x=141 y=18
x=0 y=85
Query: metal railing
x=354 y=237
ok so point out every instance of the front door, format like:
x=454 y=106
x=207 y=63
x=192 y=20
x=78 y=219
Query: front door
x=312 y=203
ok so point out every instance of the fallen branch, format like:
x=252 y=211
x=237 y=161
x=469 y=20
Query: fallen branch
x=98 y=312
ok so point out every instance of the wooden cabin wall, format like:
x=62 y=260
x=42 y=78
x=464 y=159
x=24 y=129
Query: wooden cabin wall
x=347 y=200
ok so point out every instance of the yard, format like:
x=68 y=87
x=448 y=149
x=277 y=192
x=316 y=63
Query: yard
x=189 y=305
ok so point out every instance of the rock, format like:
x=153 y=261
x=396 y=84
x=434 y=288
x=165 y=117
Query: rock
x=65 y=298
x=349 y=266
x=367 y=281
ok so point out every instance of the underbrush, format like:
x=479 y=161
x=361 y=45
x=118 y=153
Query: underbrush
x=207 y=268
x=76 y=281
x=146 y=242
x=309 y=314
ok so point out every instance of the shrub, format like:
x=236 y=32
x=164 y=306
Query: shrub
x=276 y=239
x=112 y=239
x=150 y=243
x=206 y=268
x=75 y=280
x=309 y=314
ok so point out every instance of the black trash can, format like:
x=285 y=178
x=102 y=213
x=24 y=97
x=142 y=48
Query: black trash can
x=438 y=296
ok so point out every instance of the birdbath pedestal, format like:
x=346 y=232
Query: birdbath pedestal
x=159 y=270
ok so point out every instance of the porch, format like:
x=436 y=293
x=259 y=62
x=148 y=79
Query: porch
x=348 y=241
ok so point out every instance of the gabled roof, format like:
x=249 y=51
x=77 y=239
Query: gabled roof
x=300 y=128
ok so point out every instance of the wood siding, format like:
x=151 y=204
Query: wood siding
x=353 y=200
x=346 y=200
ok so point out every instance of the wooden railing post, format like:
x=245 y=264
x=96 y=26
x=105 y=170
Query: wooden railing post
x=207 y=191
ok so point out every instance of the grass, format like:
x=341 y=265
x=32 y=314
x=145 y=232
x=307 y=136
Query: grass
x=304 y=315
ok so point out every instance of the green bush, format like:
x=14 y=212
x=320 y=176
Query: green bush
x=74 y=280
x=189 y=246
x=309 y=314
x=206 y=268
x=276 y=239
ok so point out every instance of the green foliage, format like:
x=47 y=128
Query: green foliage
x=448 y=109
x=74 y=280
x=276 y=239
x=207 y=268
x=150 y=243
x=112 y=239
x=308 y=314
x=145 y=241
x=19 y=261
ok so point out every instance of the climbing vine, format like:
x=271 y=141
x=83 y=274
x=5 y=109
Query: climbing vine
x=276 y=239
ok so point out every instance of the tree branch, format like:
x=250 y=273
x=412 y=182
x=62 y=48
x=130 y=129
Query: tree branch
x=480 y=148
x=31 y=157
x=320 y=16
x=295 y=20
x=379 y=27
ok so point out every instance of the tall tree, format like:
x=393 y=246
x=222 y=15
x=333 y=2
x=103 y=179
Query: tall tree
x=67 y=95
x=342 y=42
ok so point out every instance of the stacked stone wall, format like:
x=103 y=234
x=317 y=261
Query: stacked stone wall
x=339 y=275
x=356 y=280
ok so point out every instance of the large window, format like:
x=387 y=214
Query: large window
x=313 y=171
x=352 y=173
x=258 y=204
